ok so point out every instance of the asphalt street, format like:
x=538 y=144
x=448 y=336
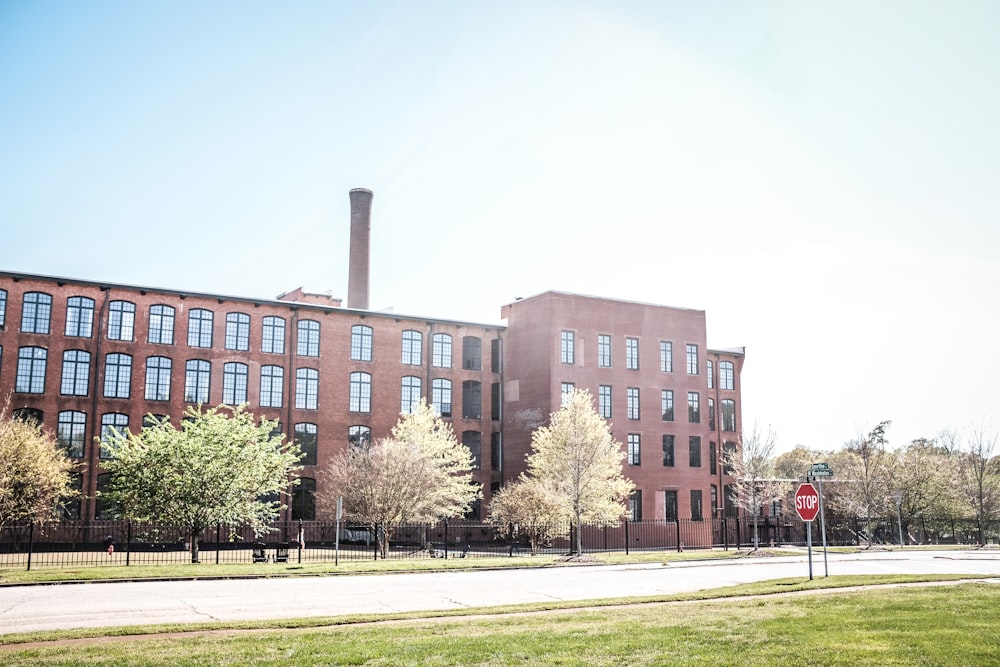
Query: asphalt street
x=65 y=606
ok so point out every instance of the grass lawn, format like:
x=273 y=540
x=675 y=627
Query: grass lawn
x=940 y=625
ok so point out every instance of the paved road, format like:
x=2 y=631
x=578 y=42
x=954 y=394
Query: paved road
x=27 y=608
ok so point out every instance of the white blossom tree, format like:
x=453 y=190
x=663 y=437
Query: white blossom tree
x=755 y=485
x=578 y=459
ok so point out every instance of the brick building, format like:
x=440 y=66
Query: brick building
x=85 y=357
x=671 y=401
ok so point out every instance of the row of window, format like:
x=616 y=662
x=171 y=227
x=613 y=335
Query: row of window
x=697 y=510
x=75 y=381
x=71 y=430
x=568 y=356
x=36 y=315
x=632 y=412
x=634 y=445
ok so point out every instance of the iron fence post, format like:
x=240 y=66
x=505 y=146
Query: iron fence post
x=446 y=539
x=218 y=541
x=626 y=536
x=31 y=541
x=128 y=542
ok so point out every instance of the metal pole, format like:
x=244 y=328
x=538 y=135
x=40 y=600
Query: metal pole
x=809 y=544
x=822 y=526
x=336 y=538
x=899 y=522
x=31 y=542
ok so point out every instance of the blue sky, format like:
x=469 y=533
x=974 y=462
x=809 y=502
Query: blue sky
x=821 y=178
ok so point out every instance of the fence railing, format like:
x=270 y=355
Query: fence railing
x=127 y=543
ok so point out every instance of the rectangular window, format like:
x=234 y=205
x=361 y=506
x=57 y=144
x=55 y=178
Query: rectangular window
x=711 y=414
x=472 y=353
x=603 y=351
x=234 y=383
x=668 y=451
x=667 y=404
x=666 y=356
x=441 y=396
x=200 y=328
x=472 y=400
x=113 y=425
x=413 y=342
x=158 y=378
x=634 y=449
x=121 y=320
x=361 y=343
x=670 y=505
x=79 y=317
x=71 y=432
x=441 y=351
x=117 y=376
x=604 y=401
x=710 y=372
x=565 y=392
x=307 y=389
x=473 y=440
x=635 y=505
x=694 y=408
x=237 y=331
x=496 y=450
x=361 y=392
x=692 y=359
x=273 y=335
x=632 y=402
x=75 y=373
x=694 y=451
x=714 y=500
x=36 y=310
x=3 y=307
x=726 y=375
x=632 y=354
x=272 y=386
x=410 y=394
x=567 y=344
x=496 y=402
x=713 y=458
x=196 y=378
x=31 y=370
x=161 y=325
x=696 y=510
x=496 y=358
x=728 y=415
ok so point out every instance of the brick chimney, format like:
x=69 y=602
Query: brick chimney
x=358 y=275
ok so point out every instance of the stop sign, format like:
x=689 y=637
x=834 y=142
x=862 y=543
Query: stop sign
x=807 y=502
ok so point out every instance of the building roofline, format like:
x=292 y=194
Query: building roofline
x=293 y=305
x=600 y=298
x=736 y=351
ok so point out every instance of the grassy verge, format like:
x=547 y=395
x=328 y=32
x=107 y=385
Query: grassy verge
x=192 y=571
x=949 y=625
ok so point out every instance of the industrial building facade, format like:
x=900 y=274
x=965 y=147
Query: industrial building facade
x=86 y=358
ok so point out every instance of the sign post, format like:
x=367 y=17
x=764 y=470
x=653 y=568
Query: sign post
x=807 y=507
x=818 y=471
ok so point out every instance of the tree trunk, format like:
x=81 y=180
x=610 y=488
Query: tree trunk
x=195 y=533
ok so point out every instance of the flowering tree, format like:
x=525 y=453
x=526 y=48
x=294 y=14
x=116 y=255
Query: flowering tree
x=219 y=467
x=530 y=508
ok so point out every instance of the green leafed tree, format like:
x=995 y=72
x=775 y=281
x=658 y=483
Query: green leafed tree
x=35 y=473
x=219 y=467
x=979 y=477
x=531 y=509
x=419 y=474
x=578 y=459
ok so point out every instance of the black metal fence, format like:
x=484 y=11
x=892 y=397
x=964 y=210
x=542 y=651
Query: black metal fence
x=126 y=543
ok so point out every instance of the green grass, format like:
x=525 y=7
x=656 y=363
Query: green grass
x=942 y=625
x=19 y=575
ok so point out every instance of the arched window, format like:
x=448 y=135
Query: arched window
x=308 y=338
x=196 y=380
x=361 y=392
x=36 y=310
x=200 y=328
x=273 y=335
x=234 y=383
x=31 y=370
x=413 y=342
x=71 y=432
x=361 y=343
x=306 y=389
x=441 y=351
x=121 y=320
x=304 y=500
x=158 y=378
x=117 y=376
x=75 y=373
x=410 y=394
x=237 y=331
x=272 y=381
x=359 y=437
x=161 y=324
x=441 y=396
x=306 y=439
x=79 y=317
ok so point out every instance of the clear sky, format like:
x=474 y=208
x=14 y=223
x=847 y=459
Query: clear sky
x=821 y=178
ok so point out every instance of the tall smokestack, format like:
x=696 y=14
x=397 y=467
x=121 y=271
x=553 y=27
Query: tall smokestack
x=357 y=279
